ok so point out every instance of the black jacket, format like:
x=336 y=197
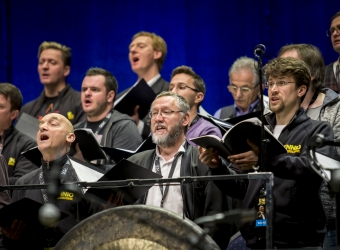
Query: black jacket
x=200 y=198
x=16 y=142
x=69 y=105
x=65 y=202
x=298 y=216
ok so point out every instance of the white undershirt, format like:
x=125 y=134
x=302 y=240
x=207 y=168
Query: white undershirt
x=140 y=125
x=277 y=130
x=173 y=200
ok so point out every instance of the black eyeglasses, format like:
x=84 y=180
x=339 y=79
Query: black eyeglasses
x=181 y=87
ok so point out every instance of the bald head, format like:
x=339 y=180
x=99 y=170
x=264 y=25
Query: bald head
x=55 y=136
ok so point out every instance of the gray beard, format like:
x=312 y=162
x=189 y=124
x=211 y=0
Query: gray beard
x=170 y=139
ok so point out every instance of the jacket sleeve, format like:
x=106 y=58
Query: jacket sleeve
x=23 y=165
x=297 y=167
x=5 y=197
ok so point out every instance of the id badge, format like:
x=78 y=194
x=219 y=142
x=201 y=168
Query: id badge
x=261 y=209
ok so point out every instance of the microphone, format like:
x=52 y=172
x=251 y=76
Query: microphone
x=320 y=141
x=259 y=50
x=230 y=217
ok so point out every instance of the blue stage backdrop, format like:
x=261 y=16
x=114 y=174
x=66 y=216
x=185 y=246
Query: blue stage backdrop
x=206 y=35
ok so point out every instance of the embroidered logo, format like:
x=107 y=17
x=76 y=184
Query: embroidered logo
x=11 y=161
x=66 y=196
x=70 y=115
x=293 y=149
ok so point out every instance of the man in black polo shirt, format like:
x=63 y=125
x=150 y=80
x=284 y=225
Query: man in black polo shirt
x=57 y=97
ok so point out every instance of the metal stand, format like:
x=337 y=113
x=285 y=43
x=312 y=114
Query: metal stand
x=267 y=176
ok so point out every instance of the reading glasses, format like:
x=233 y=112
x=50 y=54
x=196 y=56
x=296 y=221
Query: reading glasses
x=163 y=113
x=278 y=84
x=244 y=90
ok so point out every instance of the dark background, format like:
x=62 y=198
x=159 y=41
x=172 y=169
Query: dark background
x=207 y=35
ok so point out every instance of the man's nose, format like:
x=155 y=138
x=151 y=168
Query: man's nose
x=239 y=92
x=45 y=65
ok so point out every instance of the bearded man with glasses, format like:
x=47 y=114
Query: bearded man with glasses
x=174 y=157
x=332 y=78
x=298 y=216
x=245 y=89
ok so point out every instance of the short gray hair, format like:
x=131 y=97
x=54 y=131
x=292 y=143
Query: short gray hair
x=244 y=63
x=181 y=103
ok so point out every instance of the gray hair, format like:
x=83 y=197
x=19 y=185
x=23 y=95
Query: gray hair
x=181 y=103
x=244 y=63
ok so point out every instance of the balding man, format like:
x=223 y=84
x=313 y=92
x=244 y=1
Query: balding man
x=54 y=139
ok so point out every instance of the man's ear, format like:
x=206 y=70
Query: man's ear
x=70 y=137
x=110 y=96
x=302 y=90
x=14 y=114
x=157 y=54
x=186 y=120
x=199 y=97
x=67 y=70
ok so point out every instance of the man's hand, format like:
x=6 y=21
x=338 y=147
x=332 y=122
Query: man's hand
x=209 y=157
x=78 y=155
x=117 y=201
x=135 y=115
x=15 y=230
x=246 y=161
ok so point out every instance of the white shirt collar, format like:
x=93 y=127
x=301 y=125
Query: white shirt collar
x=181 y=149
x=153 y=80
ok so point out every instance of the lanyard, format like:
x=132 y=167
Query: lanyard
x=103 y=123
x=159 y=171
x=194 y=121
x=62 y=176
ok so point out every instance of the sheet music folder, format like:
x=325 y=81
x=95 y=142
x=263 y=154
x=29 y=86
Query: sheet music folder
x=117 y=154
x=88 y=145
x=139 y=94
x=26 y=210
x=123 y=170
x=234 y=141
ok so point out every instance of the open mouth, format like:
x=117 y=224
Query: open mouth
x=135 y=59
x=44 y=137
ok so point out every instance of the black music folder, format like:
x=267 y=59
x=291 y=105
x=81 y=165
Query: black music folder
x=88 y=145
x=139 y=94
x=26 y=210
x=234 y=141
x=240 y=118
x=123 y=170
x=117 y=154
x=33 y=155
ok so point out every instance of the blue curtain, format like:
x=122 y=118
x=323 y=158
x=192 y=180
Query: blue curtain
x=206 y=35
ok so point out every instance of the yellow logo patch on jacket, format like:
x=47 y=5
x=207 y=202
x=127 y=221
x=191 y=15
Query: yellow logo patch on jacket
x=66 y=196
x=293 y=149
x=11 y=161
x=70 y=115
